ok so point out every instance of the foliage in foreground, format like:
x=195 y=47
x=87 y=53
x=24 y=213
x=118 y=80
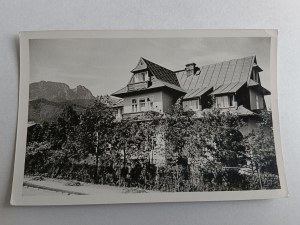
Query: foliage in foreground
x=204 y=154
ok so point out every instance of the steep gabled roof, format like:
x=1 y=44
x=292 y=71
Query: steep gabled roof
x=219 y=78
x=232 y=71
x=140 y=66
x=162 y=73
x=224 y=77
x=163 y=77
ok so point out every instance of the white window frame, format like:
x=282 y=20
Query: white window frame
x=233 y=100
x=120 y=112
x=257 y=101
x=223 y=101
x=134 y=106
x=137 y=105
x=150 y=104
x=188 y=104
x=255 y=76
x=143 y=75
x=142 y=103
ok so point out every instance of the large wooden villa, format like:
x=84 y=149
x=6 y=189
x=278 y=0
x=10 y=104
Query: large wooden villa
x=234 y=85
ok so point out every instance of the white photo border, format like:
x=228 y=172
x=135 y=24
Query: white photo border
x=18 y=199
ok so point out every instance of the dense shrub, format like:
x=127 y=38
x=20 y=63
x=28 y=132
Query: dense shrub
x=202 y=154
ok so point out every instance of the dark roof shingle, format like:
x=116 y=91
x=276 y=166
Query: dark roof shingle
x=162 y=73
x=164 y=77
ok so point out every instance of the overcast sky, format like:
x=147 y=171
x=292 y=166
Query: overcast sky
x=103 y=65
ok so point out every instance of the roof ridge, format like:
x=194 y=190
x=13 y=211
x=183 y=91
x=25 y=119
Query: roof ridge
x=146 y=60
x=168 y=75
x=252 y=56
x=139 y=66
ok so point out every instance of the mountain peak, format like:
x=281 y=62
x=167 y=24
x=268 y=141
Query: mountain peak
x=58 y=92
x=79 y=87
x=82 y=92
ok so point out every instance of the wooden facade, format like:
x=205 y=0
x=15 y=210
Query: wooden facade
x=231 y=85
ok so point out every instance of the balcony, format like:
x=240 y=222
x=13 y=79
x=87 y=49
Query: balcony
x=138 y=86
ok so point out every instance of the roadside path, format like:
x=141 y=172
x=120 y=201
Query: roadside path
x=51 y=186
x=30 y=191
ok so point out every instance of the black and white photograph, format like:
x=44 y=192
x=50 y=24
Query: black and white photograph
x=137 y=117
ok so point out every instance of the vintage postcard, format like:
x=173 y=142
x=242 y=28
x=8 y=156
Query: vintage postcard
x=147 y=116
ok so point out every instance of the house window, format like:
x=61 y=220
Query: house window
x=140 y=77
x=230 y=99
x=191 y=105
x=225 y=101
x=134 y=105
x=222 y=102
x=115 y=113
x=142 y=103
x=255 y=76
x=257 y=102
x=120 y=112
x=149 y=103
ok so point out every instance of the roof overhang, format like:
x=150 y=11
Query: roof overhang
x=122 y=94
x=197 y=93
x=259 y=88
x=258 y=69
x=228 y=88
x=265 y=91
x=119 y=104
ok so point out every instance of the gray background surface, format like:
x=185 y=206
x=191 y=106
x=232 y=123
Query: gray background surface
x=18 y=15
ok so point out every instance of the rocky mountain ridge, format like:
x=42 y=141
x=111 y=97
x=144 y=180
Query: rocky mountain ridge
x=58 y=92
x=48 y=99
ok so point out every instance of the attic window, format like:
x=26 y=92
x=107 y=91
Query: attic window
x=140 y=77
x=255 y=76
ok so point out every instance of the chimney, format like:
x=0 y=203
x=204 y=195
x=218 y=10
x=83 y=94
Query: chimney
x=190 y=69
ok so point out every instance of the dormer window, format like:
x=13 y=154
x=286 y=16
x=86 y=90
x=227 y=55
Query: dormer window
x=225 y=101
x=140 y=77
x=191 y=105
x=254 y=76
x=230 y=100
